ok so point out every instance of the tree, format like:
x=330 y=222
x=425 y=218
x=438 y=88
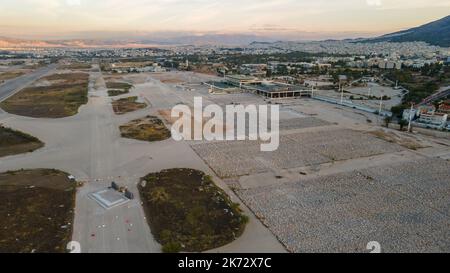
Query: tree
x=387 y=121
x=398 y=110
x=402 y=124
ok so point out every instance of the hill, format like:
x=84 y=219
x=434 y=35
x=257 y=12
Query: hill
x=435 y=33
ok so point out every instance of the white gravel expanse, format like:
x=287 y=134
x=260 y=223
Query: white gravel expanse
x=237 y=158
x=405 y=207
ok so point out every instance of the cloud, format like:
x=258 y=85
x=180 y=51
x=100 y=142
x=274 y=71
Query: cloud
x=219 y=15
x=376 y=3
x=72 y=3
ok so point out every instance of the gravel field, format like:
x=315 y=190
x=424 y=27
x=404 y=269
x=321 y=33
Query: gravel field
x=237 y=158
x=343 y=144
x=405 y=207
x=242 y=98
x=301 y=123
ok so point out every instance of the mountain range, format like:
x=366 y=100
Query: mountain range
x=434 y=33
x=134 y=42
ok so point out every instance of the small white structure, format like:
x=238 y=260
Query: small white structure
x=109 y=198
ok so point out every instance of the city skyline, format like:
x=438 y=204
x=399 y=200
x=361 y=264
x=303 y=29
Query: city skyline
x=59 y=19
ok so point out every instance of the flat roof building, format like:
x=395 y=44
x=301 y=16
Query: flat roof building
x=278 y=90
x=269 y=89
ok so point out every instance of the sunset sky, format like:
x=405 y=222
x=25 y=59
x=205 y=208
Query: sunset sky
x=58 y=18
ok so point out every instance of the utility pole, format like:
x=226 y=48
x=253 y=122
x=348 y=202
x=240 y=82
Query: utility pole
x=342 y=95
x=381 y=105
x=410 y=117
x=312 y=92
x=381 y=101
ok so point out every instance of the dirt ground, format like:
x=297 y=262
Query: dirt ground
x=188 y=212
x=169 y=78
x=392 y=137
x=15 y=142
x=54 y=96
x=37 y=211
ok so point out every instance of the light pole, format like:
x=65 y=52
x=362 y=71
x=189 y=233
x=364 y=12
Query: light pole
x=410 y=117
x=381 y=103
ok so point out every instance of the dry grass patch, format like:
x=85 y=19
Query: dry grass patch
x=119 y=85
x=186 y=211
x=391 y=137
x=115 y=92
x=118 y=88
x=149 y=128
x=14 y=142
x=60 y=96
x=126 y=105
x=77 y=66
x=10 y=75
x=167 y=116
x=37 y=211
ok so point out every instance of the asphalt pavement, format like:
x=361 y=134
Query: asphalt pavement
x=13 y=86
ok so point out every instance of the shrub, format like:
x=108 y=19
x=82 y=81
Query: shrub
x=171 y=247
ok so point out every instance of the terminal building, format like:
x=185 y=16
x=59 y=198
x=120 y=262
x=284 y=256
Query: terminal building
x=268 y=89
x=275 y=90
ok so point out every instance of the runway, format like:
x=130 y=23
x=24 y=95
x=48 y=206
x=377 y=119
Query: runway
x=12 y=86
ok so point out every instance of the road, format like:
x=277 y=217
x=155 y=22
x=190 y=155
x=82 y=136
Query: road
x=443 y=92
x=10 y=87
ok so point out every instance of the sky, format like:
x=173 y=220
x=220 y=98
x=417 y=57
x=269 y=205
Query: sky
x=62 y=18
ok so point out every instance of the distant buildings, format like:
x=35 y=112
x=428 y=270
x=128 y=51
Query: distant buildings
x=137 y=69
x=386 y=64
x=257 y=70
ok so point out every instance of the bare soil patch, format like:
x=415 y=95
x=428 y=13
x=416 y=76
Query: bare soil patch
x=391 y=137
